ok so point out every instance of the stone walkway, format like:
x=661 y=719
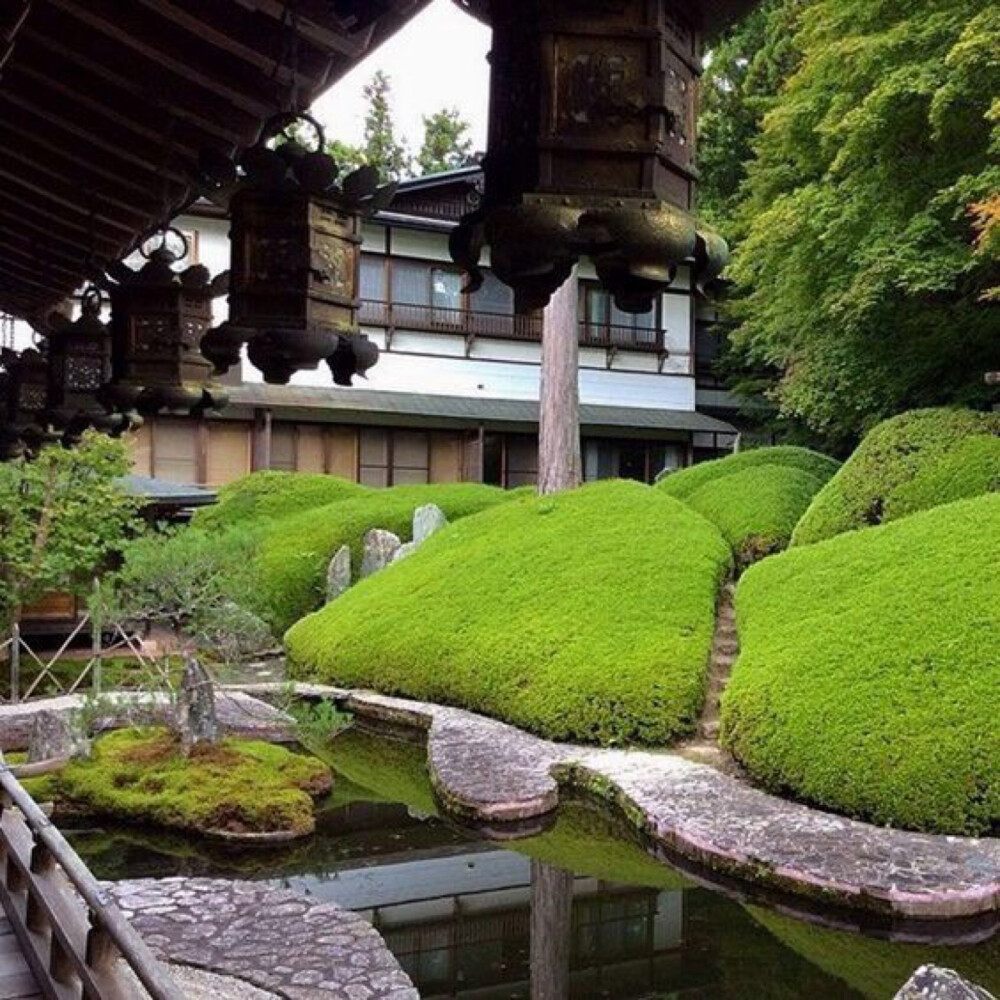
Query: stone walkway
x=274 y=939
x=490 y=773
x=239 y=714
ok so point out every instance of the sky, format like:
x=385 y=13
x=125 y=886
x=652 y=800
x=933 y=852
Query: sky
x=437 y=61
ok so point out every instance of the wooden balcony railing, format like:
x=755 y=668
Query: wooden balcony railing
x=71 y=934
x=504 y=326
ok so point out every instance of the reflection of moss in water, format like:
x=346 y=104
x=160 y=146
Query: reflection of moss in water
x=877 y=968
x=391 y=770
x=586 y=840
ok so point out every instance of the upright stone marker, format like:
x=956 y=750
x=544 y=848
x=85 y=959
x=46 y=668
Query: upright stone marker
x=338 y=575
x=427 y=520
x=195 y=719
x=380 y=547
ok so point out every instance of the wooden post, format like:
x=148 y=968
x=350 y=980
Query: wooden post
x=551 y=931
x=96 y=653
x=15 y=663
x=559 y=461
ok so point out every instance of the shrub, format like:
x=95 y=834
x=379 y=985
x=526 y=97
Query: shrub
x=869 y=681
x=587 y=615
x=898 y=469
x=241 y=786
x=263 y=495
x=294 y=552
x=684 y=482
x=757 y=508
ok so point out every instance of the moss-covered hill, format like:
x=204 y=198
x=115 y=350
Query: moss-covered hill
x=582 y=616
x=909 y=463
x=869 y=681
x=755 y=498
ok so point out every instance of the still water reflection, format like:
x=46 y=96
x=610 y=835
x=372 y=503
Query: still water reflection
x=578 y=912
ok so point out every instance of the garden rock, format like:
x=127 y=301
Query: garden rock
x=56 y=736
x=427 y=520
x=405 y=550
x=196 y=719
x=932 y=983
x=380 y=547
x=338 y=575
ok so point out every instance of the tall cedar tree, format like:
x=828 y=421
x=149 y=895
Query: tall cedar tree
x=447 y=145
x=861 y=270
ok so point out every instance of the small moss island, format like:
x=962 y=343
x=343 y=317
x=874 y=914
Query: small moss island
x=239 y=789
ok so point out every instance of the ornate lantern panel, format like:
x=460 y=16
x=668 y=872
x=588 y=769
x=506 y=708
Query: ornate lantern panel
x=591 y=149
x=295 y=275
x=158 y=319
x=27 y=395
x=79 y=368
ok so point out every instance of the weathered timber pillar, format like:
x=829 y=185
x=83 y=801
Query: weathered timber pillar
x=559 y=461
x=551 y=931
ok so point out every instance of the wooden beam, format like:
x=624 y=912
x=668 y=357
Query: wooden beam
x=37 y=260
x=177 y=98
x=54 y=223
x=160 y=44
x=317 y=31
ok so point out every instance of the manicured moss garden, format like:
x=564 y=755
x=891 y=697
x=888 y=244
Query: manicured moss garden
x=869 y=681
x=270 y=493
x=139 y=776
x=295 y=551
x=912 y=462
x=583 y=616
x=755 y=498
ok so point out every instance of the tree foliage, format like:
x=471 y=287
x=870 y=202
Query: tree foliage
x=447 y=145
x=63 y=515
x=861 y=277
x=381 y=147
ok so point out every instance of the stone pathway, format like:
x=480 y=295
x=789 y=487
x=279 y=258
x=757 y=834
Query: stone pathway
x=489 y=773
x=239 y=714
x=274 y=939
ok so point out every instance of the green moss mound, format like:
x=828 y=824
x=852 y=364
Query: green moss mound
x=295 y=551
x=868 y=680
x=267 y=494
x=757 y=508
x=683 y=483
x=235 y=786
x=912 y=462
x=582 y=616
x=877 y=968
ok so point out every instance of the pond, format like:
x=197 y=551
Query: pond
x=491 y=919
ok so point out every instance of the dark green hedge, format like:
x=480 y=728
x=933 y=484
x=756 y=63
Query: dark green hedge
x=869 y=675
x=582 y=616
x=911 y=462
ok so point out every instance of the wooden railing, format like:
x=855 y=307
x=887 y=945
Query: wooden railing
x=71 y=933
x=504 y=326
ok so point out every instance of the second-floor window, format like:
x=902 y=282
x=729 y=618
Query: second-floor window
x=605 y=323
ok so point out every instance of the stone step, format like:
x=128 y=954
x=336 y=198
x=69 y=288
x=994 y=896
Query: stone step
x=725 y=647
x=709 y=729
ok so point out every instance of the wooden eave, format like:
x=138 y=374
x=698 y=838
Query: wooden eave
x=105 y=107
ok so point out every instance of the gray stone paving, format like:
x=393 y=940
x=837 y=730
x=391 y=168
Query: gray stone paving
x=238 y=713
x=275 y=939
x=487 y=771
x=931 y=983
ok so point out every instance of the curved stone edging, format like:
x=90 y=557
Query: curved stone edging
x=276 y=939
x=489 y=772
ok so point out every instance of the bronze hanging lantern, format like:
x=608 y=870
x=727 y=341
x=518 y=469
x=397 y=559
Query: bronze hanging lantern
x=296 y=258
x=158 y=318
x=27 y=395
x=79 y=368
x=592 y=146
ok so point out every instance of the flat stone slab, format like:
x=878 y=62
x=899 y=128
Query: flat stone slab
x=276 y=940
x=239 y=715
x=489 y=772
